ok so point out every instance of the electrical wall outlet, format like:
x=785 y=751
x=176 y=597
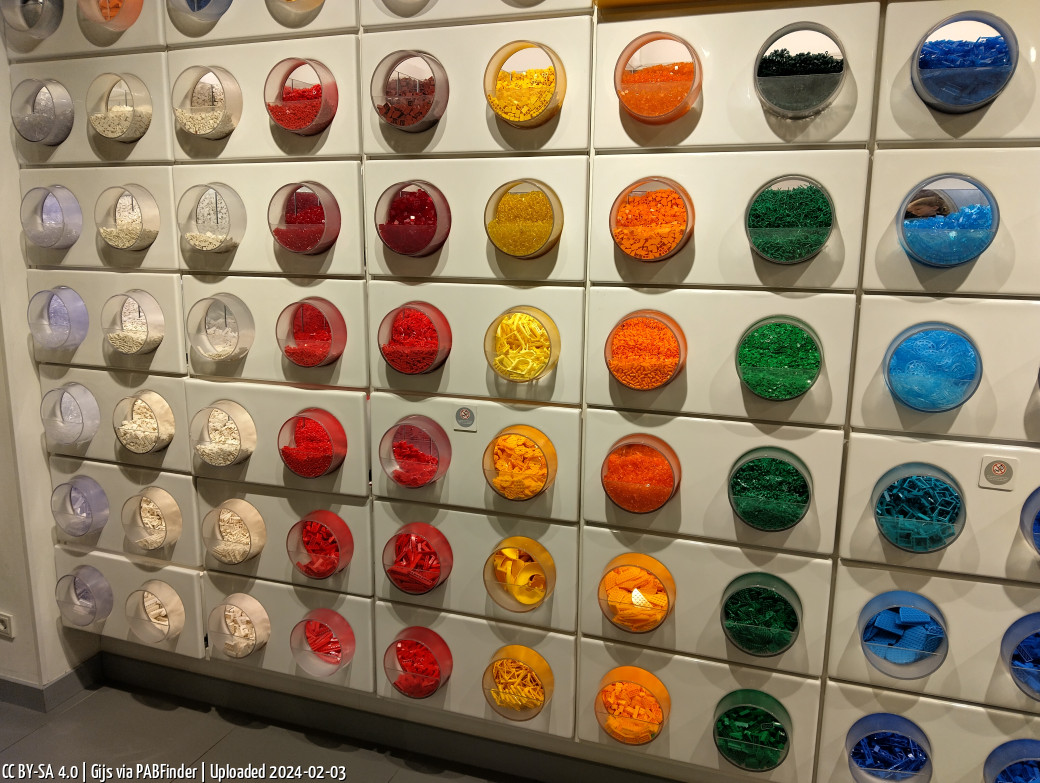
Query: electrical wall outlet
x=6 y=626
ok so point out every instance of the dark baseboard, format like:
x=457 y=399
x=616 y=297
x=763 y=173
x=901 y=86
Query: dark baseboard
x=47 y=697
x=365 y=728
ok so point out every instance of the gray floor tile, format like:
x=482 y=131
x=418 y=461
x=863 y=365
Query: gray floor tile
x=114 y=727
x=18 y=722
x=259 y=743
x=72 y=701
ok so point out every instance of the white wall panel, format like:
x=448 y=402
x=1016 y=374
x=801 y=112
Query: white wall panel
x=257 y=135
x=90 y=250
x=121 y=483
x=1004 y=268
x=714 y=322
x=473 y=538
x=977 y=615
x=469 y=124
x=702 y=572
x=467 y=185
x=245 y=21
x=470 y=310
x=95 y=288
x=285 y=607
x=722 y=185
x=990 y=545
x=728 y=111
x=281 y=509
x=464 y=484
x=473 y=642
x=707 y=451
x=270 y=406
x=84 y=145
x=266 y=297
x=125 y=576
x=1006 y=405
x=695 y=687
x=902 y=116
x=108 y=389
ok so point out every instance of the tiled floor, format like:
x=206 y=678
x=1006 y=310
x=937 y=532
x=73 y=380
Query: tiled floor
x=113 y=727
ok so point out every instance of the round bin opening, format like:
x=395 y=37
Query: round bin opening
x=520 y=574
x=80 y=506
x=645 y=350
x=636 y=592
x=119 y=106
x=947 y=221
x=294 y=13
x=58 y=318
x=127 y=217
x=220 y=328
x=752 y=730
x=903 y=634
x=223 y=434
x=238 y=627
x=761 y=614
x=632 y=705
x=918 y=508
x=415 y=452
x=779 y=358
x=770 y=489
x=51 y=217
x=152 y=519
x=1020 y=649
x=525 y=83
x=311 y=332
x=520 y=463
x=42 y=111
x=144 y=423
x=155 y=612
x=415 y=338
x=883 y=746
x=799 y=71
x=312 y=443
x=413 y=218
x=417 y=558
x=658 y=78
x=304 y=217
x=652 y=219
x=1029 y=520
x=517 y=683
x=204 y=11
x=207 y=101
x=301 y=95
x=23 y=14
x=322 y=643
x=116 y=15
x=964 y=62
x=417 y=663
x=524 y=218
x=133 y=323
x=320 y=545
x=789 y=220
x=410 y=90
x=37 y=18
x=212 y=218
x=640 y=473
x=1013 y=762
x=84 y=596
x=522 y=344
x=70 y=415
x=932 y=367
x=234 y=532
